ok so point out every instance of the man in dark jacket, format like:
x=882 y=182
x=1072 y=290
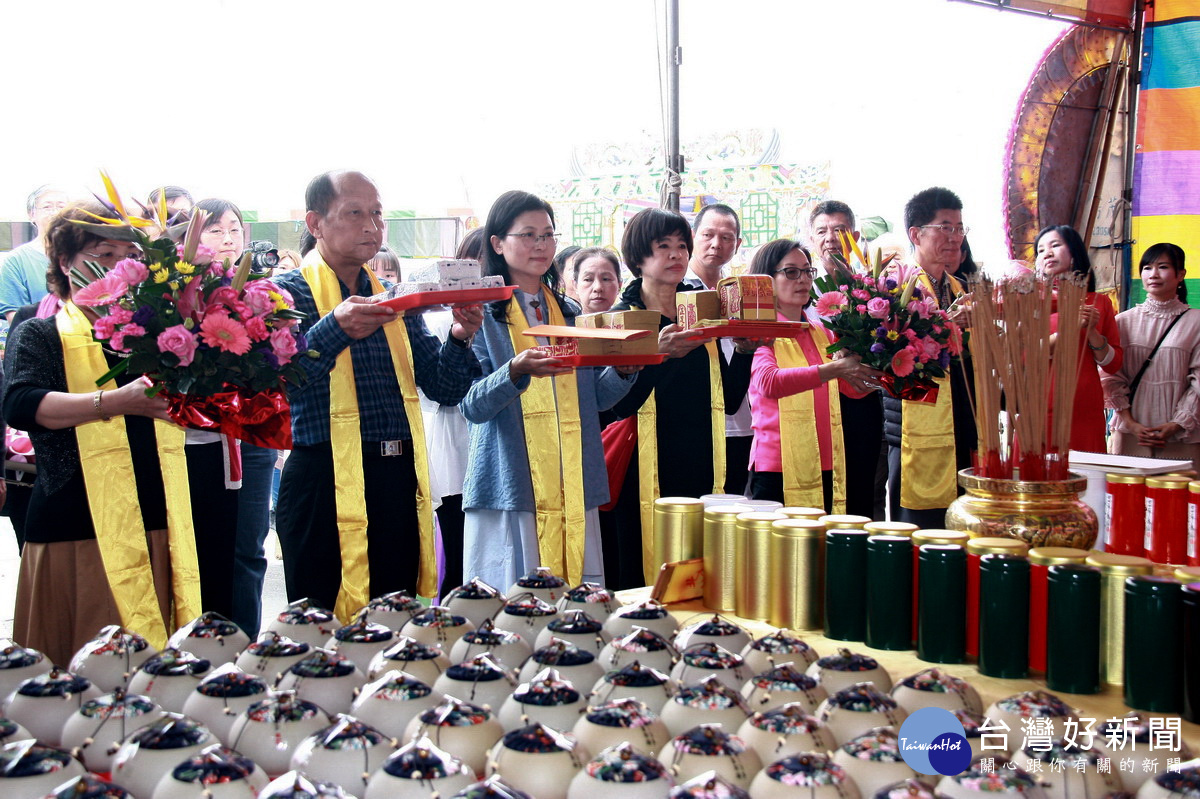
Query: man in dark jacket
x=929 y=442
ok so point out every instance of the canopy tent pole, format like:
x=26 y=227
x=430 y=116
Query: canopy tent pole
x=674 y=56
x=1134 y=74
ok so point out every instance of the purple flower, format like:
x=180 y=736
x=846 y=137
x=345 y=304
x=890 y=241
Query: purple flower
x=143 y=315
x=877 y=347
x=891 y=284
x=881 y=332
x=271 y=360
x=302 y=342
x=944 y=359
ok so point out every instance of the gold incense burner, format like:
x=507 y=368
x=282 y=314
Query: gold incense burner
x=1042 y=513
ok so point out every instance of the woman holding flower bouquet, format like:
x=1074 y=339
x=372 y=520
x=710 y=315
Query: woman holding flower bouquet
x=794 y=417
x=109 y=530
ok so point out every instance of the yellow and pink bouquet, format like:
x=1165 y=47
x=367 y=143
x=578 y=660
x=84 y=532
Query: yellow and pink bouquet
x=216 y=340
x=884 y=316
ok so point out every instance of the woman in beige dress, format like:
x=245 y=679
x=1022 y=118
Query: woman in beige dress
x=1156 y=394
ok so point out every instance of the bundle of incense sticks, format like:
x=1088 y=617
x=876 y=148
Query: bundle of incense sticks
x=1018 y=363
x=988 y=359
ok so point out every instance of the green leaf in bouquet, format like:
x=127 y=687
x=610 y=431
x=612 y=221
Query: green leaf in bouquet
x=112 y=373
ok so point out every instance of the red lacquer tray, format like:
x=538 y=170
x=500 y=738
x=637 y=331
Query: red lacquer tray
x=612 y=360
x=423 y=300
x=737 y=328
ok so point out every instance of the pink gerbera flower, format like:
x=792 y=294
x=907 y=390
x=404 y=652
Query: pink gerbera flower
x=104 y=291
x=903 y=363
x=225 y=333
x=830 y=303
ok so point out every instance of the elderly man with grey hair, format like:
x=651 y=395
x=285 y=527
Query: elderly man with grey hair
x=23 y=275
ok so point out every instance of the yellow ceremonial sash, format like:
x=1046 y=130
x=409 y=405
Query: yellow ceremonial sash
x=798 y=445
x=928 y=473
x=346 y=441
x=554 y=443
x=648 y=455
x=107 y=467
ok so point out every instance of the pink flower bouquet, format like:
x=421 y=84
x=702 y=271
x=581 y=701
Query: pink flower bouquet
x=887 y=319
x=197 y=328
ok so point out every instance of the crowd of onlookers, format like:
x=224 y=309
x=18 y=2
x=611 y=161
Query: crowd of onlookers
x=526 y=460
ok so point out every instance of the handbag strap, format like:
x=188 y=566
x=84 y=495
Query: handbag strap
x=1137 y=379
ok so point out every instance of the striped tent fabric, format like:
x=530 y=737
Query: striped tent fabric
x=1166 y=194
x=1114 y=13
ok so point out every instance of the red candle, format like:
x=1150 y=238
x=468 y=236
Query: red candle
x=1040 y=561
x=977 y=548
x=1124 y=514
x=1166 y=519
x=1193 y=546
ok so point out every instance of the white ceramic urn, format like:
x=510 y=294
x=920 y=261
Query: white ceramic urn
x=508 y=648
x=643 y=683
x=211 y=636
x=784 y=731
x=326 y=679
x=777 y=648
x=708 y=702
x=782 y=685
x=475 y=600
x=169 y=678
x=592 y=598
x=873 y=760
x=808 y=775
x=221 y=696
x=391 y=701
x=215 y=773
x=715 y=629
x=624 y=720
x=541 y=583
x=847 y=668
x=546 y=699
x=936 y=687
x=418 y=770
x=30 y=770
x=641 y=644
x=649 y=614
x=345 y=753
x=420 y=661
x=148 y=753
x=464 y=730
x=621 y=772
x=18 y=664
x=538 y=760
x=96 y=729
x=577 y=627
x=269 y=730
x=111 y=658
x=857 y=709
x=709 y=747
x=305 y=621
x=42 y=704
x=271 y=655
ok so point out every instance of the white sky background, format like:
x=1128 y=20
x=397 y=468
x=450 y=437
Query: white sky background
x=447 y=104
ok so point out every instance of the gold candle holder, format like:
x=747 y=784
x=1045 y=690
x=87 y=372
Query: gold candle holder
x=1113 y=571
x=678 y=530
x=752 y=560
x=797 y=553
x=720 y=561
x=844 y=521
x=890 y=528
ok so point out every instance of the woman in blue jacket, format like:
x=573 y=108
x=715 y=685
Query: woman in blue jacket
x=535 y=470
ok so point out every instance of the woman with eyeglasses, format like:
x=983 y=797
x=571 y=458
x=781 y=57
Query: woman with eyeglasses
x=107 y=539
x=1060 y=251
x=795 y=413
x=680 y=406
x=535 y=473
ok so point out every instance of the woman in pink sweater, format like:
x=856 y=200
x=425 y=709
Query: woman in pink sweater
x=797 y=456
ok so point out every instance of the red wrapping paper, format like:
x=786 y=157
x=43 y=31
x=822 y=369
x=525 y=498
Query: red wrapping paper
x=911 y=389
x=263 y=419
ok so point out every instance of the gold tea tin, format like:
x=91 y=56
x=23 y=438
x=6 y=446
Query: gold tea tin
x=720 y=549
x=890 y=528
x=796 y=512
x=932 y=536
x=752 y=561
x=1113 y=571
x=997 y=546
x=1186 y=574
x=797 y=574
x=843 y=521
x=1058 y=556
x=678 y=530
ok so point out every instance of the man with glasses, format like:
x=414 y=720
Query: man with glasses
x=717 y=233
x=353 y=515
x=929 y=442
x=23 y=276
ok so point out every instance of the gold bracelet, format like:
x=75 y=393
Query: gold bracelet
x=96 y=404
